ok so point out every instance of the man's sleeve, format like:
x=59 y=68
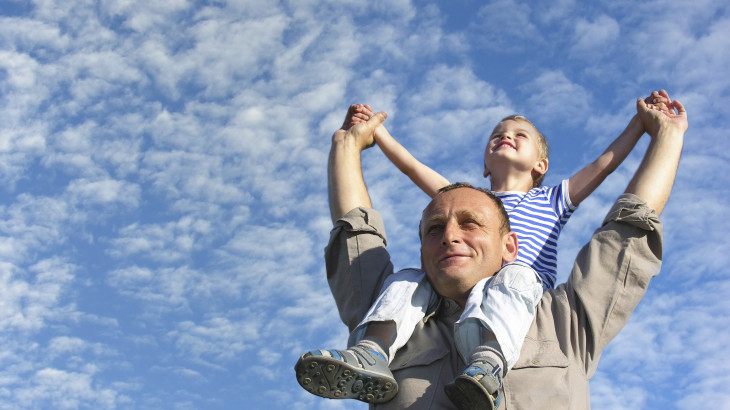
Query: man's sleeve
x=357 y=263
x=611 y=275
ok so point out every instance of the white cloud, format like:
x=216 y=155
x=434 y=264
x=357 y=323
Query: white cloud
x=105 y=192
x=553 y=96
x=164 y=289
x=218 y=338
x=593 y=37
x=64 y=390
x=505 y=22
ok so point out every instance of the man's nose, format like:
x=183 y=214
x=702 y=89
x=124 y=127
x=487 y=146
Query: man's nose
x=451 y=233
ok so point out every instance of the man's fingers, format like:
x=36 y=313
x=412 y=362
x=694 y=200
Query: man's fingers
x=348 y=117
x=680 y=108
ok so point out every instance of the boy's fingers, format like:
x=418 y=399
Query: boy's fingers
x=377 y=119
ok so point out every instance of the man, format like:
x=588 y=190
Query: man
x=573 y=323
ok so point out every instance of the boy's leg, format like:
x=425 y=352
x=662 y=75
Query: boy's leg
x=490 y=334
x=361 y=372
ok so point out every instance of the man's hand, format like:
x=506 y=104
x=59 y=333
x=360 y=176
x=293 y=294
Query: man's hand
x=659 y=112
x=666 y=121
x=345 y=182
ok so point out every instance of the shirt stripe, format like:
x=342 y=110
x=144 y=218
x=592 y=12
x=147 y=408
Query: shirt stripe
x=537 y=217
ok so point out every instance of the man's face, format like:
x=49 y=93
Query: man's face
x=461 y=242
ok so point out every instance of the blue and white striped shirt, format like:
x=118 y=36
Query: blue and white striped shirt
x=537 y=217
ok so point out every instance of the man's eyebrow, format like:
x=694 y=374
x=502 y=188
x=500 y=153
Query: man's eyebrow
x=463 y=214
x=467 y=213
x=434 y=219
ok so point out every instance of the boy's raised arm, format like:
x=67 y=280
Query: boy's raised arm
x=424 y=177
x=585 y=181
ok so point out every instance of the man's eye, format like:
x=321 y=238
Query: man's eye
x=470 y=223
x=434 y=229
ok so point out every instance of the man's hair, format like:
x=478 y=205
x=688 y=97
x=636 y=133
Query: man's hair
x=504 y=225
x=543 y=148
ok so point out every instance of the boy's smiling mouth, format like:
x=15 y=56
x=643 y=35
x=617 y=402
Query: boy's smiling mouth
x=503 y=143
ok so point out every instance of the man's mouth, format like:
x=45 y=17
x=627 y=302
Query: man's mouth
x=451 y=257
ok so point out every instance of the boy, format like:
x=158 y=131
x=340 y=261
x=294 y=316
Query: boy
x=516 y=159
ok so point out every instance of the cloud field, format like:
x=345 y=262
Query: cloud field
x=163 y=204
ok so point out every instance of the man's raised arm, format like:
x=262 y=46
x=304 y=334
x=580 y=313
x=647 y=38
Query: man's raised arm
x=654 y=179
x=346 y=185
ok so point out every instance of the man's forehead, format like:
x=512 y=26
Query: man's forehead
x=459 y=200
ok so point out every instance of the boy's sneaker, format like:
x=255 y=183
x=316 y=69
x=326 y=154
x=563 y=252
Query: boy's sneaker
x=355 y=373
x=478 y=387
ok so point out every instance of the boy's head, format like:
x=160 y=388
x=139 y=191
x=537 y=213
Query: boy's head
x=521 y=144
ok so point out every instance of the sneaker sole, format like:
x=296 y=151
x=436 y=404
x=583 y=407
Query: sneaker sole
x=467 y=394
x=334 y=379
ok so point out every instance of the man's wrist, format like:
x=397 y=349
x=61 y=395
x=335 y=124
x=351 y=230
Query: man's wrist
x=671 y=133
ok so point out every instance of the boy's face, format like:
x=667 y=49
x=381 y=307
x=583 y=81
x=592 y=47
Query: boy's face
x=514 y=143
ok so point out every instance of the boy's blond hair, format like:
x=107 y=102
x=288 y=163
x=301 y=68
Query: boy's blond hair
x=543 y=148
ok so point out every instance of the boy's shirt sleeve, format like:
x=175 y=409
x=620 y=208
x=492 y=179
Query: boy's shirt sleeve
x=560 y=198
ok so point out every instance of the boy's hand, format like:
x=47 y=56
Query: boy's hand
x=658 y=100
x=362 y=113
x=359 y=129
x=356 y=114
x=658 y=112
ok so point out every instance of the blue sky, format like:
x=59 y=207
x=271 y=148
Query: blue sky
x=163 y=181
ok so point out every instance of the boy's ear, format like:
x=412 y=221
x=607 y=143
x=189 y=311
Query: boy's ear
x=486 y=171
x=541 y=166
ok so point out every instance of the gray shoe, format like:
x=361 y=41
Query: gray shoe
x=478 y=387
x=355 y=373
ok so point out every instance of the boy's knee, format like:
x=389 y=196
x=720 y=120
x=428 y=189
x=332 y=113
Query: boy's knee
x=518 y=277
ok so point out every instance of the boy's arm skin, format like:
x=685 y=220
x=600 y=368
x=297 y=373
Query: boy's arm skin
x=424 y=177
x=585 y=181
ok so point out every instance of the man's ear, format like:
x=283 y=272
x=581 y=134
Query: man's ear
x=509 y=247
x=541 y=166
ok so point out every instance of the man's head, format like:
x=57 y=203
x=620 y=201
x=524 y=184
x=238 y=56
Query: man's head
x=517 y=142
x=465 y=237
